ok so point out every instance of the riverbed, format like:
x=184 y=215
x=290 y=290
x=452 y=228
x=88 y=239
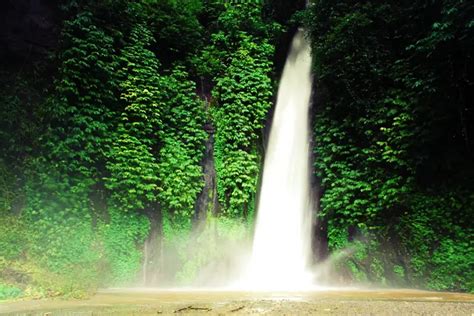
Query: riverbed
x=205 y=302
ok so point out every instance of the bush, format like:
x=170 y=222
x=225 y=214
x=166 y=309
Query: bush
x=9 y=292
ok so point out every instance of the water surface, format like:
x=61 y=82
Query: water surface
x=324 y=302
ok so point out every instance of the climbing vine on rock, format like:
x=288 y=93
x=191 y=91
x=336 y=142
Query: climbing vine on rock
x=243 y=98
x=389 y=128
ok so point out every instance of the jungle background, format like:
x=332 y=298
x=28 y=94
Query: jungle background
x=134 y=131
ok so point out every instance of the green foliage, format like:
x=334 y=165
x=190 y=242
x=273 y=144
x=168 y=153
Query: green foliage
x=7 y=189
x=392 y=122
x=453 y=265
x=58 y=208
x=58 y=218
x=120 y=236
x=181 y=179
x=183 y=147
x=20 y=100
x=243 y=98
x=9 y=292
x=176 y=27
x=116 y=139
x=155 y=162
x=238 y=62
x=399 y=271
x=81 y=107
x=377 y=269
x=233 y=24
x=13 y=237
x=440 y=250
x=132 y=162
x=133 y=173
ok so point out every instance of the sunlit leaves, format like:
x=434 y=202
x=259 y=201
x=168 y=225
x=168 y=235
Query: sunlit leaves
x=243 y=97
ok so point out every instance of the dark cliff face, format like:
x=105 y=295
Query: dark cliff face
x=282 y=10
x=28 y=30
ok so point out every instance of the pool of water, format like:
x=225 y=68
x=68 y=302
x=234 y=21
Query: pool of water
x=146 y=301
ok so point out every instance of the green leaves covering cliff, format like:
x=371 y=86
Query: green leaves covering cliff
x=393 y=137
x=113 y=145
x=104 y=140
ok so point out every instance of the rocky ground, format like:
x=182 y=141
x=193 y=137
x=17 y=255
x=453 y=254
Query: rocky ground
x=332 y=302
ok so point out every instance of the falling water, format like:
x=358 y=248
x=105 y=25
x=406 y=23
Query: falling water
x=281 y=248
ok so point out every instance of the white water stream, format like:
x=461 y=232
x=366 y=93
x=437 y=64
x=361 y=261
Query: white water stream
x=281 y=248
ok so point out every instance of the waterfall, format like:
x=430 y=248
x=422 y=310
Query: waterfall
x=281 y=248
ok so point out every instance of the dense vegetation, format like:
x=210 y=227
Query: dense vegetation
x=135 y=141
x=103 y=146
x=393 y=138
